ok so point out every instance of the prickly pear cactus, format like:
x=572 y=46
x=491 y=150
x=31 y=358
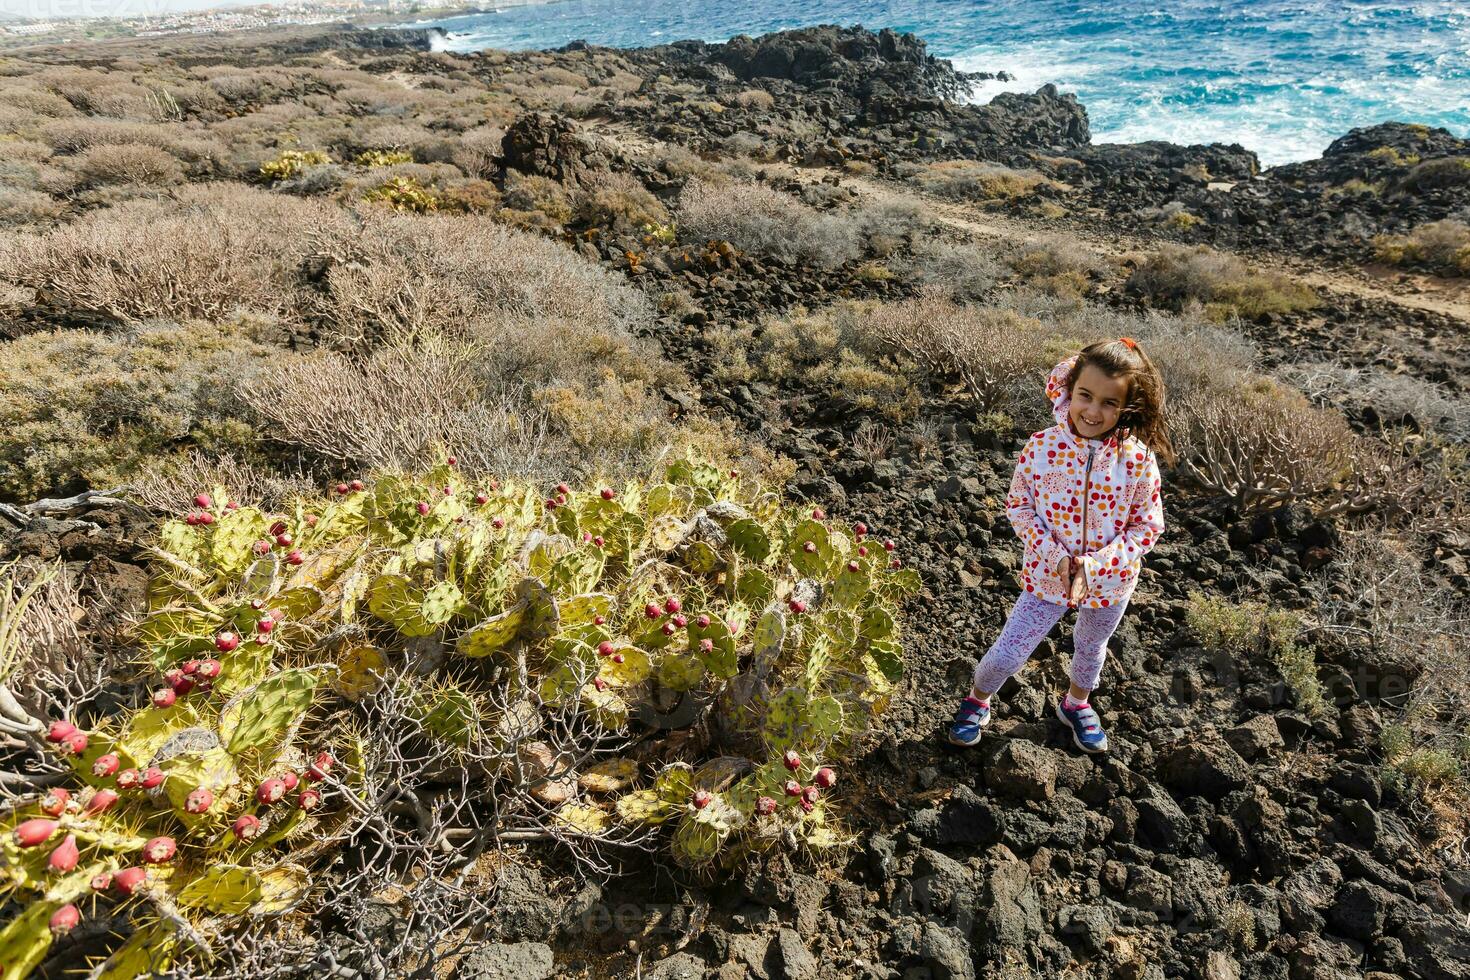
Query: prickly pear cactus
x=496 y=612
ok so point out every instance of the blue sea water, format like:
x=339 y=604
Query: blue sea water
x=1281 y=78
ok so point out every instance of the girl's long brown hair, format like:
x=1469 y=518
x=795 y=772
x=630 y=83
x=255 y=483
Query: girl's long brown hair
x=1143 y=414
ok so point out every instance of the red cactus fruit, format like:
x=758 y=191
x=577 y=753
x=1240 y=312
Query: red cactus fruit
x=608 y=493
x=586 y=537
x=206 y=518
x=295 y=557
x=73 y=744
x=29 y=833
x=797 y=606
x=184 y=686
x=791 y=760
x=309 y=799
x=701 y=798
x=55 y=800
x=811 y=794
x=199 y=801
x=265 y=624
x=64 y=856
x=245 y=827
x=563 y=488
x=232 y=505
x=672 y=605
x=862 y=551
x=64 y=920
x=825 y=778
x=209 y=669
x=128 y=778
x=59 y=731
x=159 y=850
x=105 y=765
x=357 y=484
x=311 y=520
x=319 y=768
x=270 y=790
x=100 y=802
x=670 y=629
x=888 y=545
x=807 y=805
x=818 y=514
x=652 y=610
x=853 y=566
x=263 y=546
x=164 y=697
x=291 y=780
x=599 y=620
x=101 y=882
x=448 y=491
x=285 y=540
x=702 y=622
x=707 y=645
x=860 y=529
x=341 y=488
x=174 y=675
x=681 y=621
x=191 y=519
x=423 y=506
x=896 y=563
x=810 y=547
x=498 y=523
x=765 y=806
x=599 y=683
x=152 y=778
x=597 y=541
x=792 y=787
x=482 y=499
x=451 y=461
x=618 y=658
x=551 y=503
x=278 y=527
x=227 y=641
x=605 y=648
x=202 y=500
x=128 y=880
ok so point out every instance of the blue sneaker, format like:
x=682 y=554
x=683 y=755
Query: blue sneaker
x=969 y=718
x=1087 y=730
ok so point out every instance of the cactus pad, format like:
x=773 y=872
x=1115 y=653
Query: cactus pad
x=608 y=776
x=494 y=633
x=262 y=717
x=749 y=540
x=586 y=820
x=360 y=672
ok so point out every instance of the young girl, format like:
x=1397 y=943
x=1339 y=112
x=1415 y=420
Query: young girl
x=1085 y=501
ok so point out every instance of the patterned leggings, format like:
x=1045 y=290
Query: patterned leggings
x=1030 y=620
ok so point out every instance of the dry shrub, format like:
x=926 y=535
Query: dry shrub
x=478 y=152
x=758 y=219
x=995 y=354
x=1386 y=607
x=1255 y=444
x=169 y=483
x=1439 y=246
x=76 y=404
x=19 y=206
x=537 y=309
x=214 y=250
x=891 y=225
x=962 y=272
x=39 y=102
x=125 y=164
x=619 y=201
x=1437 y=174
x=536 y=194
x=1177 y=276
x=1392 y=399
x=976 y=180
x=755 y=98
x=1057 y=264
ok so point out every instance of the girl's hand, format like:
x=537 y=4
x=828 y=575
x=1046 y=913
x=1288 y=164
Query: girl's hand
x=1079 y=583
x=1064 y=569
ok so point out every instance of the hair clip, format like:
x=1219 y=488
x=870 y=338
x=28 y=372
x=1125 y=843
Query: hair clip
x=1130 y=342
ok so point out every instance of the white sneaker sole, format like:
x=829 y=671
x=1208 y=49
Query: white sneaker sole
x=1062 y=717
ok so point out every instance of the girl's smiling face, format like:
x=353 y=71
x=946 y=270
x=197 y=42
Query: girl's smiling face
x=1097 y=401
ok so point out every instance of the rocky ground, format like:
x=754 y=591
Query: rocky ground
x=1227 y=835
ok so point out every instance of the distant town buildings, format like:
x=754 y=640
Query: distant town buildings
x=208 y=21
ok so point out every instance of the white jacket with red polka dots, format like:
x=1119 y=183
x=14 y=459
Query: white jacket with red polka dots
x=1055 y=492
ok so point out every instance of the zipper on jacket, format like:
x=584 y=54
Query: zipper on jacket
x=1086 y=481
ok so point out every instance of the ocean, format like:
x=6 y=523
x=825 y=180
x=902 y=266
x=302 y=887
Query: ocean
x=1283 y=79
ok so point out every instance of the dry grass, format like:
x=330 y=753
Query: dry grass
x=1177 y=277
x=619 y=202
x=169 y=483
x=976 y=180
x=1439 y=246
x=109 y=163
x=763 y=221
x=1250 y=629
